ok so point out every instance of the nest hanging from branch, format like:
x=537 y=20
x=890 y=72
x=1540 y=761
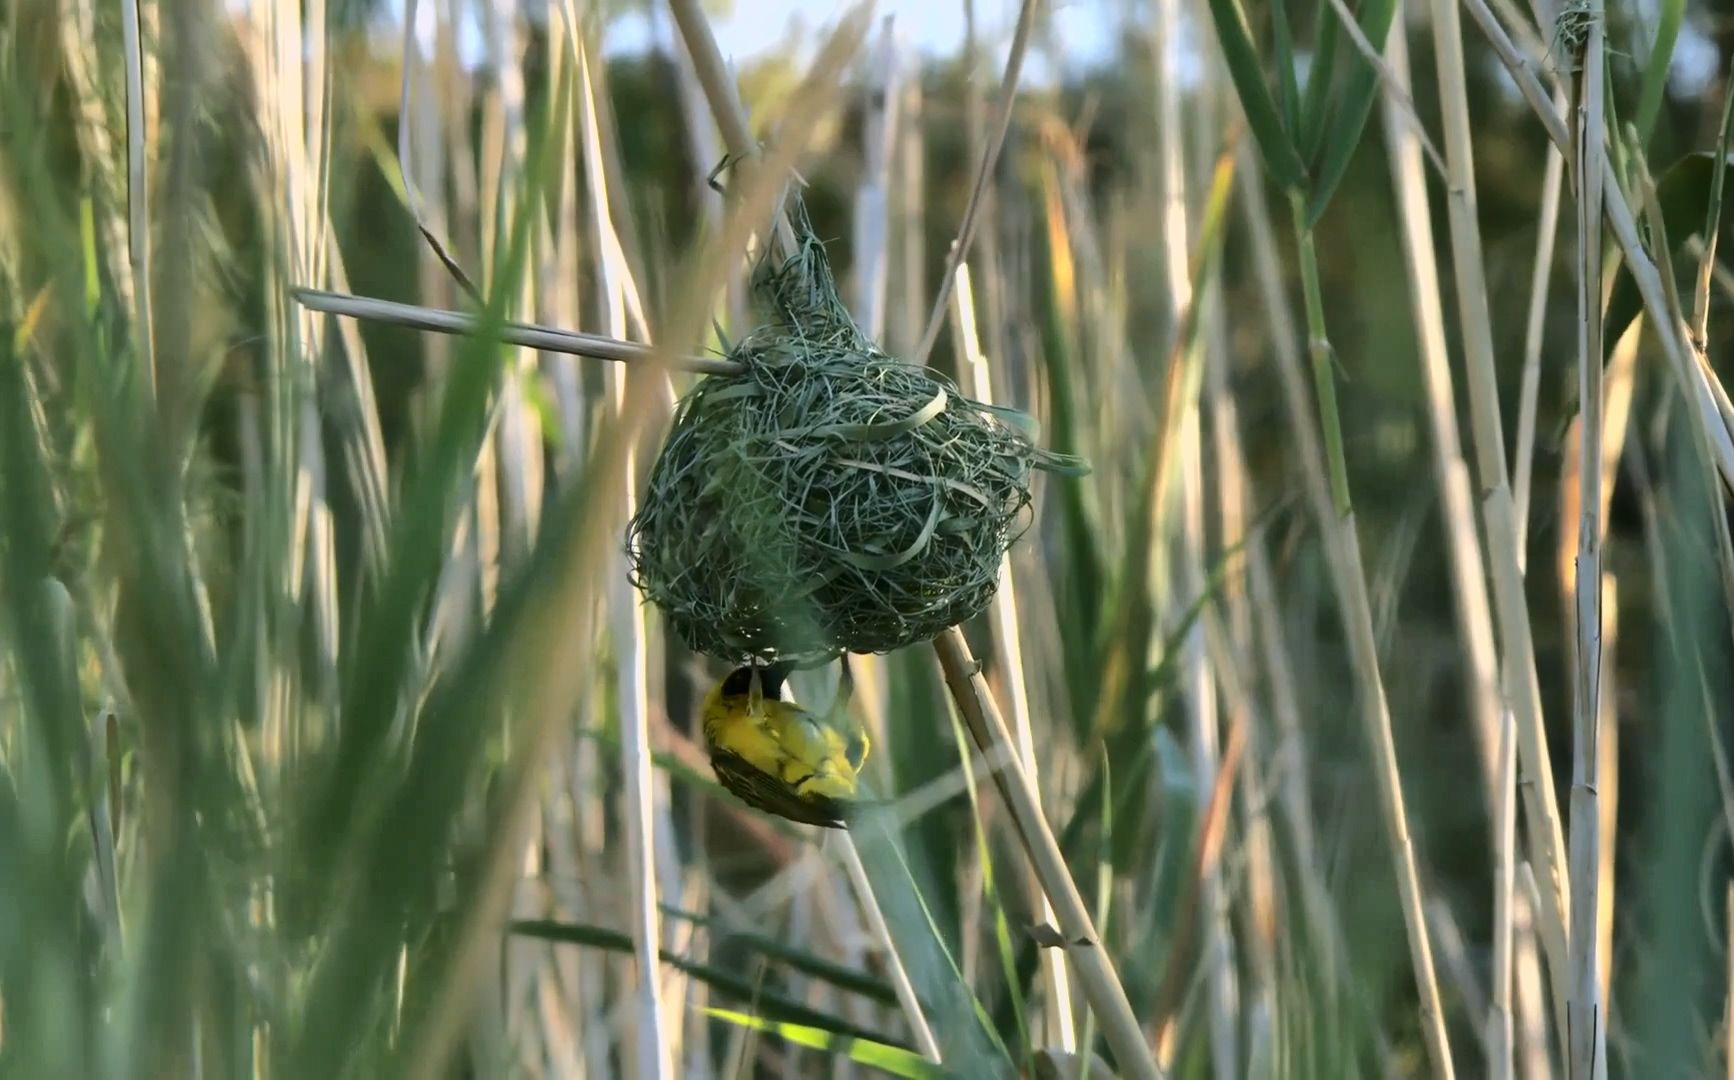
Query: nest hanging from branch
x=829 y=498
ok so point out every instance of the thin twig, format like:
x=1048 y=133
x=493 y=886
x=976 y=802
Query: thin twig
x=1397 y=96
x=440 y=321
x=983 y=176
x=1522 y=689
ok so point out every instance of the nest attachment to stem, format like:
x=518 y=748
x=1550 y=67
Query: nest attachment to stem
x=829 y=498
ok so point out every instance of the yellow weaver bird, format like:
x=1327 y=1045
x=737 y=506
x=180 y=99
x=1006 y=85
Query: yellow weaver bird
x=779 y=757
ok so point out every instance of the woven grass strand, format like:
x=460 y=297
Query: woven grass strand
x=830 y=497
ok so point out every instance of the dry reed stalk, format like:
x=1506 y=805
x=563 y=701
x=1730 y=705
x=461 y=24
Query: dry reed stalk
x=520 y=481
x=1376 y=716
x=985 y=249
x=1459 y=969
x=518 y=437
x=1086 y=949
x=560 y=249
x=1188 y=577
x=1586 y=1024
x=467 y=575
x=882 y=137
x=1547 y=226
x=1522 y=691
x=1618 y=384
x=1501 y=1050
x=422 y=156
x=364 y=442
x=911 y=213
x=138 y=196
x=1210 y=838
x=719 y=90
x=658 y=1045
x=1451 y=472
x=1529 y=987
x=976 y=380
x=293 y=103
x=1608 y=743
x=872 y=225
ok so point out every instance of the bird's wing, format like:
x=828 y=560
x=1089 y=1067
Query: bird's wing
x=770 y=794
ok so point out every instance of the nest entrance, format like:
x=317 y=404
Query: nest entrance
x=829 y=498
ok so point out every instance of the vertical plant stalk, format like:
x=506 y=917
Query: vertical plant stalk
x=1522 y=691
x=1207 y=761
x=1547 y=227
x=104 y=817
x=1462 y=540
x=1728 y=1012
x=911 y=275
x=882 y=112
x=138 y=195
x=1086 y=949
x=1259 y=896
x=1608 y=785
x=1318 y=906
x=1585 y=1023
x=1349 y=575
x=911 y=1005
x=882 y=136
x=654 y=1048
x=562 y=250
x=1056 y=982
x=1008 y=87
x=1187 y=578
x=83 y=62
x=1501 y=1063
x=725 y=100
x=519 y=437
x=1529 y=988
x=992 y=324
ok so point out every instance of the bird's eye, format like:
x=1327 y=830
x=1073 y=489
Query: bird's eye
x=856 y=750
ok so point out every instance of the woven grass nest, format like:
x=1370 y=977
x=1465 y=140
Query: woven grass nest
x=829 y=498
